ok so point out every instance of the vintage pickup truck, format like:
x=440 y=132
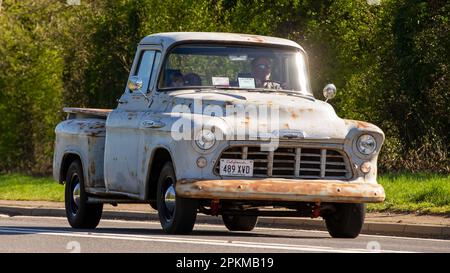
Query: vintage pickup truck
x=221 y=124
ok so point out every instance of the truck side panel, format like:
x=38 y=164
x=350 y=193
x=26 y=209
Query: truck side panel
x=85 y=138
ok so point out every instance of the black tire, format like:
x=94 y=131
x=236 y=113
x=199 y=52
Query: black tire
x=79 y=213
x=239 y=222
x=347 y=221
x=178 y=218
x=154 y=205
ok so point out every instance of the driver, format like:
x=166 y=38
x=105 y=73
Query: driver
x=261 y=69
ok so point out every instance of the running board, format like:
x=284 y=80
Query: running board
x=100 y=200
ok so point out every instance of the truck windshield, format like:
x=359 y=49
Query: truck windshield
x=245 y=67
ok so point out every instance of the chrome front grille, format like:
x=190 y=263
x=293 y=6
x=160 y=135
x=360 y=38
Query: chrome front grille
x=292 y=162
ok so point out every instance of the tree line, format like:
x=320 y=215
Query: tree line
x=390 y=60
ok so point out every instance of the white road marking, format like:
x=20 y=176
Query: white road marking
x=214 y=226
x=285 y=229
x=170 y=239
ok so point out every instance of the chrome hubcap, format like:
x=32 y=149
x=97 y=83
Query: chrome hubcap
x=76 y=194
x=169 y=199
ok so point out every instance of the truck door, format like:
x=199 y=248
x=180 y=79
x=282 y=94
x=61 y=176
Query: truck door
x=123 y=125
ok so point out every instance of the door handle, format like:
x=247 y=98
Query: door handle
x=121 y=101
x=152 y=124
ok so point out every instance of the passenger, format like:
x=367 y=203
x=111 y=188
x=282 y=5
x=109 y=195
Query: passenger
x=176 y=79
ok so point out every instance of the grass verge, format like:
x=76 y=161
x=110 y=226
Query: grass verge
x=24 y=187
x=415 y=192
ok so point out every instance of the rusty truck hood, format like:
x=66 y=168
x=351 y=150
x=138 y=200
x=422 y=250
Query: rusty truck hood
x=298 y=115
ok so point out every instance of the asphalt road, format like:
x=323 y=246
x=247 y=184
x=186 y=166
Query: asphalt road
x=52 y=234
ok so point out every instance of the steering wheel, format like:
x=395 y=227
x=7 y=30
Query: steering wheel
x=276 y=84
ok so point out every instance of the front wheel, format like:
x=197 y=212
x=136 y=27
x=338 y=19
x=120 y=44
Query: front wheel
x=79 y=213
x=347 y=221
x=176 y=214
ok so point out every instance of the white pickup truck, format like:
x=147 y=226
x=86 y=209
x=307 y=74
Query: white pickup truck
x=221 y=124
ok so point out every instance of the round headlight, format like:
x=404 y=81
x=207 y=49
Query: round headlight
x=366 y=144
x=205 y=139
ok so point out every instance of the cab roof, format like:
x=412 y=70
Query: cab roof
x=170 y=38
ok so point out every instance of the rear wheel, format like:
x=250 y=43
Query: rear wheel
x=79 y=213
x=176 y=214
x=347 y=221
x=239 y=222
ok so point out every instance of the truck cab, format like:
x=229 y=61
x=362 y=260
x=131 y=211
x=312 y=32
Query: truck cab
x=220 y=124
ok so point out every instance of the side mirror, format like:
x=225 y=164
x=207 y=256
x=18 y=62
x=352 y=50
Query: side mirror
x=329 y=91
x=134 y=83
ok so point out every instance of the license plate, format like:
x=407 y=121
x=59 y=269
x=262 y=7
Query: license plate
x=236 y=167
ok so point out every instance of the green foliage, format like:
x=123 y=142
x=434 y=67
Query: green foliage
x=389 y=61
x=31 y=87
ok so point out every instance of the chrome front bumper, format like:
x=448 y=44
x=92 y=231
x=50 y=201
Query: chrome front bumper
x=278 y=189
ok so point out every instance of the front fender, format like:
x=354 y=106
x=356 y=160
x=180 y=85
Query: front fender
x=355 y=129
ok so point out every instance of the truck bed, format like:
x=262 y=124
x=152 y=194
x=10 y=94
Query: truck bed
x=87 y=112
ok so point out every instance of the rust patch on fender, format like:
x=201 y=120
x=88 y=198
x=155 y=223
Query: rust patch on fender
x=97 y=125
x=92 y=168
x=362 y=124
